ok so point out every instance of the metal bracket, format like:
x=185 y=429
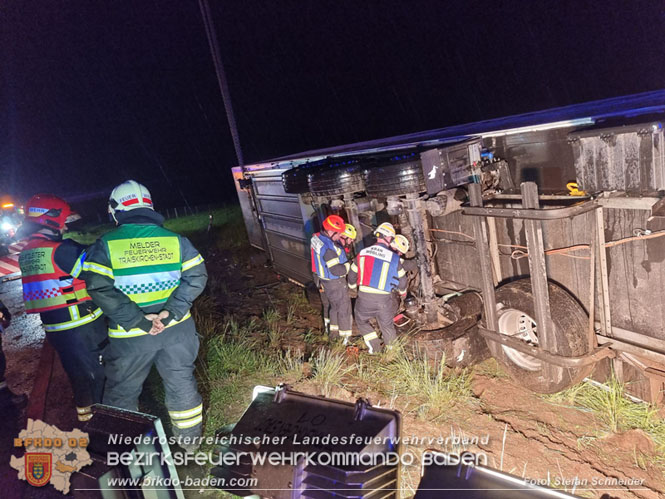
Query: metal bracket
x=245 y=183
x=532 y=214
x=554 y=359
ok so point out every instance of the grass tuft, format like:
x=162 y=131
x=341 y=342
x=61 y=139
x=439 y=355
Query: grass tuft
x=612 y=407
x=290 y=366
x=329 y=368
x=438 y=388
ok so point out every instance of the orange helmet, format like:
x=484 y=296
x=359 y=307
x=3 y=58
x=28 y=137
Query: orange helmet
x=334 y=223
x=48 y=210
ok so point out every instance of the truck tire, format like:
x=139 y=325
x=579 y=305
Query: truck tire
x=336 y=181
x=295 y=180
x=395 y=179
x=516 y=318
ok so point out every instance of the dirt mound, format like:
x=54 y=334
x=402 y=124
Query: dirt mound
x=520 y=432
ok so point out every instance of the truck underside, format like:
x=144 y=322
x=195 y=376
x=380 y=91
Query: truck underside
x=536 y=237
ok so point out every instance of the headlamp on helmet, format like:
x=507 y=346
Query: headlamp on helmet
x=401 y=244
x=386 y=229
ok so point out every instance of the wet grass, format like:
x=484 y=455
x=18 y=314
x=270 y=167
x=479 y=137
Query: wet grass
x=329 y=369
x=192 y=226
x=615 y=410
x=436 y=387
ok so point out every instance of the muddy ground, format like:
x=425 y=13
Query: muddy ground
x=527 y=435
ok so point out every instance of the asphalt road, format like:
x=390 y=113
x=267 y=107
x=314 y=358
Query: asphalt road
x=22 y=343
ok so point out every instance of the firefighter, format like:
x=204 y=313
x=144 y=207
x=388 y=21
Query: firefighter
x=145 y=278
x=378 y=273
x=348 y=237
x=401 y=246
x=50 y=267
x=8 y=399
x=330 y=267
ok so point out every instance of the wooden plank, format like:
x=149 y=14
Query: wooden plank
x=494 y=250
x=482 y=245
x=538 y=270
x=606 y=316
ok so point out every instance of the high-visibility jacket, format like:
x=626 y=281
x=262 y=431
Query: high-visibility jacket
x=145 y=262
x=378 y=270
x=326 y=255
x=60 y=298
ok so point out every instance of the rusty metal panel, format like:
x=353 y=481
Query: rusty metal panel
x=456 y=255
x=636 y=274
x=628 y=158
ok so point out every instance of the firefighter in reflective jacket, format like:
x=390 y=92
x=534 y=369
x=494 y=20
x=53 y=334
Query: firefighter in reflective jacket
x=330 y=267
x=73 y=324
x=145 y=278
x=378 y=273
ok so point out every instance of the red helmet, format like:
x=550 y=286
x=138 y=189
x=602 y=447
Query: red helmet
x=334 y=223
x=48 y=210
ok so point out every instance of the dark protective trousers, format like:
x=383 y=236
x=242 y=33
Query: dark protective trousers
x=337 y=307
x=3 y=362
x=381 y=307
x=79 y=350
x=128 y=363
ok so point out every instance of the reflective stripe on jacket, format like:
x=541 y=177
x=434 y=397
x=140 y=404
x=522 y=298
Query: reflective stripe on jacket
x=145 y=262
x=60 y=299
x=139 y=269
x=378 y=270
x=321 y=246
x=45 y=285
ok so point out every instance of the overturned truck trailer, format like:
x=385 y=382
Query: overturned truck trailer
x=537 y=237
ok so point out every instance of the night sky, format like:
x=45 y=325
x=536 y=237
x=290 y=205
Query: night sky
x=95 y=92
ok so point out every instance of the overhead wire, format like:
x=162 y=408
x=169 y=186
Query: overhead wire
x=221 y=78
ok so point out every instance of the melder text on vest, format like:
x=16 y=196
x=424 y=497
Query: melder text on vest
x=32 y=262
x=145 y=251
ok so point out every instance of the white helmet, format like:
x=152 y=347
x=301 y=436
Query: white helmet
x=128 y=196
x=386 y=229
x=401 y=243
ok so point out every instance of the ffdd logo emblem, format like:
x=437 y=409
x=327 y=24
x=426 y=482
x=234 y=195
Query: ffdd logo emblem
x=37 y=468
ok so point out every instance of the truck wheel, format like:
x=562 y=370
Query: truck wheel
x=296 y=180
x=395 y=179
x=516 y=318
x=336 y=181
